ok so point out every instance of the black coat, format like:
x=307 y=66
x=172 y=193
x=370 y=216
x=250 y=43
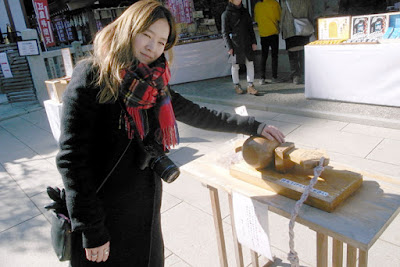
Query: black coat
x=238 y=32
x=127 y=209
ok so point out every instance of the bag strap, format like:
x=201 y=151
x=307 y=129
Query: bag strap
x=115 y=166
x=288 y=6
x=127 y=146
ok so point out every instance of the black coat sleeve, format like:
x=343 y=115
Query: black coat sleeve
x=250 y=29
x=226 y=29
x=192 y=114
x=75 y=161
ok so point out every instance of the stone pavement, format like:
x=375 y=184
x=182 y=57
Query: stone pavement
x=28 y=149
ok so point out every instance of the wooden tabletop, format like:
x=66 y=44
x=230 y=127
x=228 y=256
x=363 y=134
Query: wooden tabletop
x=358 y=221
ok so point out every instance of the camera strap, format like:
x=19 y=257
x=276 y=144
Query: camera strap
x=126 y=148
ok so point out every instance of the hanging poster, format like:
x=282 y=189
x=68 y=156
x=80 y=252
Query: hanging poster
x=334 y=28
x=251 y=224
x=378 y=25
x=360 y=26
x=59 y=25
x=43 y=19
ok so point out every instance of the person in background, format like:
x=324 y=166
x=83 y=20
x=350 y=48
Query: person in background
x=119 y=114
x=295 y=44
x=267 y=14
x=240 y=39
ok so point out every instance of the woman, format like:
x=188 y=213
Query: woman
x=295 y=44
x=121 y=94
x=238 y=33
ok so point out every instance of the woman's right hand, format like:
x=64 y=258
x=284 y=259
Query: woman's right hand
x=230 y=52
x=98 y=254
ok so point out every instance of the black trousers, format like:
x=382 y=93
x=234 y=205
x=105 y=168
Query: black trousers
x=267 y=42
x=296 y=60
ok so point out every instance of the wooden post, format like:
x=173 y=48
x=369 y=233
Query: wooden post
x=254 y=258
x=337 y=253
x=216 y=209
x=363 y=258
x=351 y=256
x=237 y=245
x=322 y=250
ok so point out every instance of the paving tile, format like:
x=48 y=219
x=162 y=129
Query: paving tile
x=387 y=151
x=372 y=131
x=392 y=233
x=169 y=201
x=38 y=118
x=167 y=252
x=187 y=225
x=39 y=140
x=174 y=261
x=21 y=155
x=188 y=189
x=28 y=244
x=189 y=233
x=285 y=127
x=15 y=206
x=40 y=200
x=9 y=143
x=34 y=177
x=341 y=142
x=312 y=122
x=383 y=253
x=366 y=165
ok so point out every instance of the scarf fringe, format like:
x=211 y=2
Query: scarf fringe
x=168 y=126
x=138 y=121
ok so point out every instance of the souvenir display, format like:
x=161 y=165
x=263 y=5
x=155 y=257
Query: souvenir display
x=392 y=33
x=336 y=28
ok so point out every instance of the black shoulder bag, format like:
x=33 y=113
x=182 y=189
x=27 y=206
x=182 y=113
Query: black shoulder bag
x=61 y=232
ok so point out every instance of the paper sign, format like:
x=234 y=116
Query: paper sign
x=67 y=60
x=251 y=223
x=28 y=48
x=242 y=111
x=5 y=67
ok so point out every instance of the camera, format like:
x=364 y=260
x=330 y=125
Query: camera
x=155 y=158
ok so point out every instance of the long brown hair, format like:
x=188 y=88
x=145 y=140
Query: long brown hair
x=113 y=45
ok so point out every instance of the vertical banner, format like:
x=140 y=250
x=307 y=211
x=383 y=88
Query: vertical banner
x=182 y=10
x=59 y=25
x=43 y=19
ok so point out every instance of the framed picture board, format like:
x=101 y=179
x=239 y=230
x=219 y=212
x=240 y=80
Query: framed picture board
x=28 y=48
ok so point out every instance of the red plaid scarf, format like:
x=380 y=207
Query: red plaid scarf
x=144 y=87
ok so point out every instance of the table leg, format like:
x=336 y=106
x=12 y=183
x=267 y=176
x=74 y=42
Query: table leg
x=351 y=256
x=322 y=250
x=254 y=258
x=237 y=245
x=216 y=210
x=363 y=258
x=337 y=253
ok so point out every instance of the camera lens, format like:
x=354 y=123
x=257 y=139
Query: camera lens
x=165 y=168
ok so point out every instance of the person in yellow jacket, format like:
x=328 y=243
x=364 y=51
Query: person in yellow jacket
x=267 y=14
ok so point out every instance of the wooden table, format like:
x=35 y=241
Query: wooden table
x=358 y=222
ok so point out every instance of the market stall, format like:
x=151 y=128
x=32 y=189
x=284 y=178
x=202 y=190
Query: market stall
x=199 y=61
x=361 y=69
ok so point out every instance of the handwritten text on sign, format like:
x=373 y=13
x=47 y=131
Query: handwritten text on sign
x=251 y=223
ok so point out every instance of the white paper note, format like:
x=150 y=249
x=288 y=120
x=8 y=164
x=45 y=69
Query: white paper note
x=251 y=223
x=242 y=111
x=5 y=66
